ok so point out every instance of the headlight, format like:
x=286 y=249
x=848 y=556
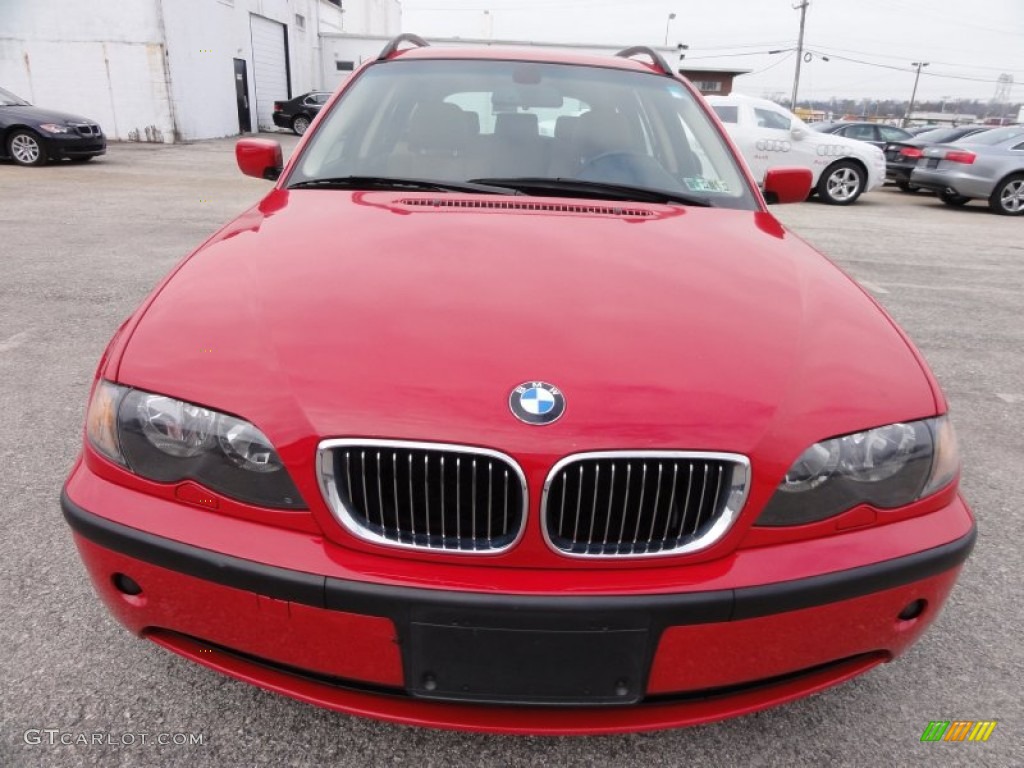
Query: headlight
x=169 y=440
x=54 y=128
x=886 y=467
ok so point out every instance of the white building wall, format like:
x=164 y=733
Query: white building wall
x=371 y=17
x=205 y=36
x=103 y=60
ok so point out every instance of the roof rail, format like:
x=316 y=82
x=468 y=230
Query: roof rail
x=392 y=46
x=655 y=57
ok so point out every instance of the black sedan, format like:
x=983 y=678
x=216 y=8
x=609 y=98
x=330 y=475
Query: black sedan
x=872 y=133
x=901 y=156
x=296 y=114
x=33 y=136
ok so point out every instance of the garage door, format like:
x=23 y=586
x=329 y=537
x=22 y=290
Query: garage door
x=269 y=68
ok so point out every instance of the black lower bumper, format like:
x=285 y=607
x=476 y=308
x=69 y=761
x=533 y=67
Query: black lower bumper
x=515 y=633
x=899 y=174
x=60 y=149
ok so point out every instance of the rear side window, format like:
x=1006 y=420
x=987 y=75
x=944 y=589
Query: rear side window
x=727 y=114
x=767 y=118
x=862 y=132
x=892 y=134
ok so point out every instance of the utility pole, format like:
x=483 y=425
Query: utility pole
x=913 y=94
x=802 y=7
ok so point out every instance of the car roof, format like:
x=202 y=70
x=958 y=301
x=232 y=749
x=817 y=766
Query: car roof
x=514 y=53
x=741 y=98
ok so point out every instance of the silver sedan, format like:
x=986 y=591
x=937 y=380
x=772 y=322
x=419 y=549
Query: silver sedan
x=987 y=166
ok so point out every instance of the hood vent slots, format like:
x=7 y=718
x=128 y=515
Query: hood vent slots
x=516 y=205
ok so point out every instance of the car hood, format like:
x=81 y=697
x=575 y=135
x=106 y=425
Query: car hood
x=36 y=115
x=325 y=313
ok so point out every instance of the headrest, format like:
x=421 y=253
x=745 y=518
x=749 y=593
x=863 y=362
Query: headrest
x=437 y=127
x=472 y=122
x=566 y=126
x=604 y=130
x=516 y=125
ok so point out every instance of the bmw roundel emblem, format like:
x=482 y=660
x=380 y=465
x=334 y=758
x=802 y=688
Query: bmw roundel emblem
x=537 y=402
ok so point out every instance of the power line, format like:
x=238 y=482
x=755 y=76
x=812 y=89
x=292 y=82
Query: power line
x=783 y=60
x=904 y=69
x=901 y=58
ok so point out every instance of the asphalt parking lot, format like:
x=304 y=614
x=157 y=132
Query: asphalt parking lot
x=81 y=245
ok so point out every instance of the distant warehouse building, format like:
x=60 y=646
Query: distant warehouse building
x=169 y=70
x=344 y=52
x=180 y=70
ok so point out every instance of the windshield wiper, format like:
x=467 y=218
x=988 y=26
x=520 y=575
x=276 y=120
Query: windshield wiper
x=603 y=189
x=397 y=182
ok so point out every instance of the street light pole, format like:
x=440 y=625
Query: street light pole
x=799 y=50
x=913 y=94
x=668 y=22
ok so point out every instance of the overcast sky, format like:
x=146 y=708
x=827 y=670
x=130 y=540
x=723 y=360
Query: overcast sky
x=968 y=44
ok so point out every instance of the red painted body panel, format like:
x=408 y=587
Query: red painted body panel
x=519 y=720
x=691 y=329
x=715 y=655
x=361 y=649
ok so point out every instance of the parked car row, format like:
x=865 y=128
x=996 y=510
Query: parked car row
x=901 y=156
x=846 y=159
x=33 y=136
x=960 y=164
x=770 y=135
x=984 y=166
x=873 y=133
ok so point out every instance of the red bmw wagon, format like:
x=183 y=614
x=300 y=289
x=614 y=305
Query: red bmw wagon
x=512 y=408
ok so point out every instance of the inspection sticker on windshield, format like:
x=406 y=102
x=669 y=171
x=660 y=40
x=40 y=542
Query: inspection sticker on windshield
x=700 y=184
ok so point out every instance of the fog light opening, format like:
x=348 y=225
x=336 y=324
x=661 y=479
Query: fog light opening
x=126 y=585
x=913 y=610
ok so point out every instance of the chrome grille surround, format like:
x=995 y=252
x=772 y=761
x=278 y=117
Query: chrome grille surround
x=411 y=496
x=86 y=129
x=676 y=505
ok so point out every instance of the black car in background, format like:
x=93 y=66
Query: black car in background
x=901 y=156
x=872 y=133
x=34 y=136
x=296 y=114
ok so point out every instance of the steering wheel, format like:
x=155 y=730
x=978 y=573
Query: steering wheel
x=625 y=167
x=618 y=157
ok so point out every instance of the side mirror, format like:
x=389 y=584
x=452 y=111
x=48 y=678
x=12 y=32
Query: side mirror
x=787 y=185
x=797 y=132
x=261 y=158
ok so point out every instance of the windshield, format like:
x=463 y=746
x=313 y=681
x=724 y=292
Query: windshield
x=465 y=120
x=8 y=99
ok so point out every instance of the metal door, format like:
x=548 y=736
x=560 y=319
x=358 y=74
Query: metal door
x=242 y=96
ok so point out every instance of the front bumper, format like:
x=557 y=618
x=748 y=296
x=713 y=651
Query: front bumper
x=70 y=146
x=498 y=662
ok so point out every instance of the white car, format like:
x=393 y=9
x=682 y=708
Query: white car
x=770 y=136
